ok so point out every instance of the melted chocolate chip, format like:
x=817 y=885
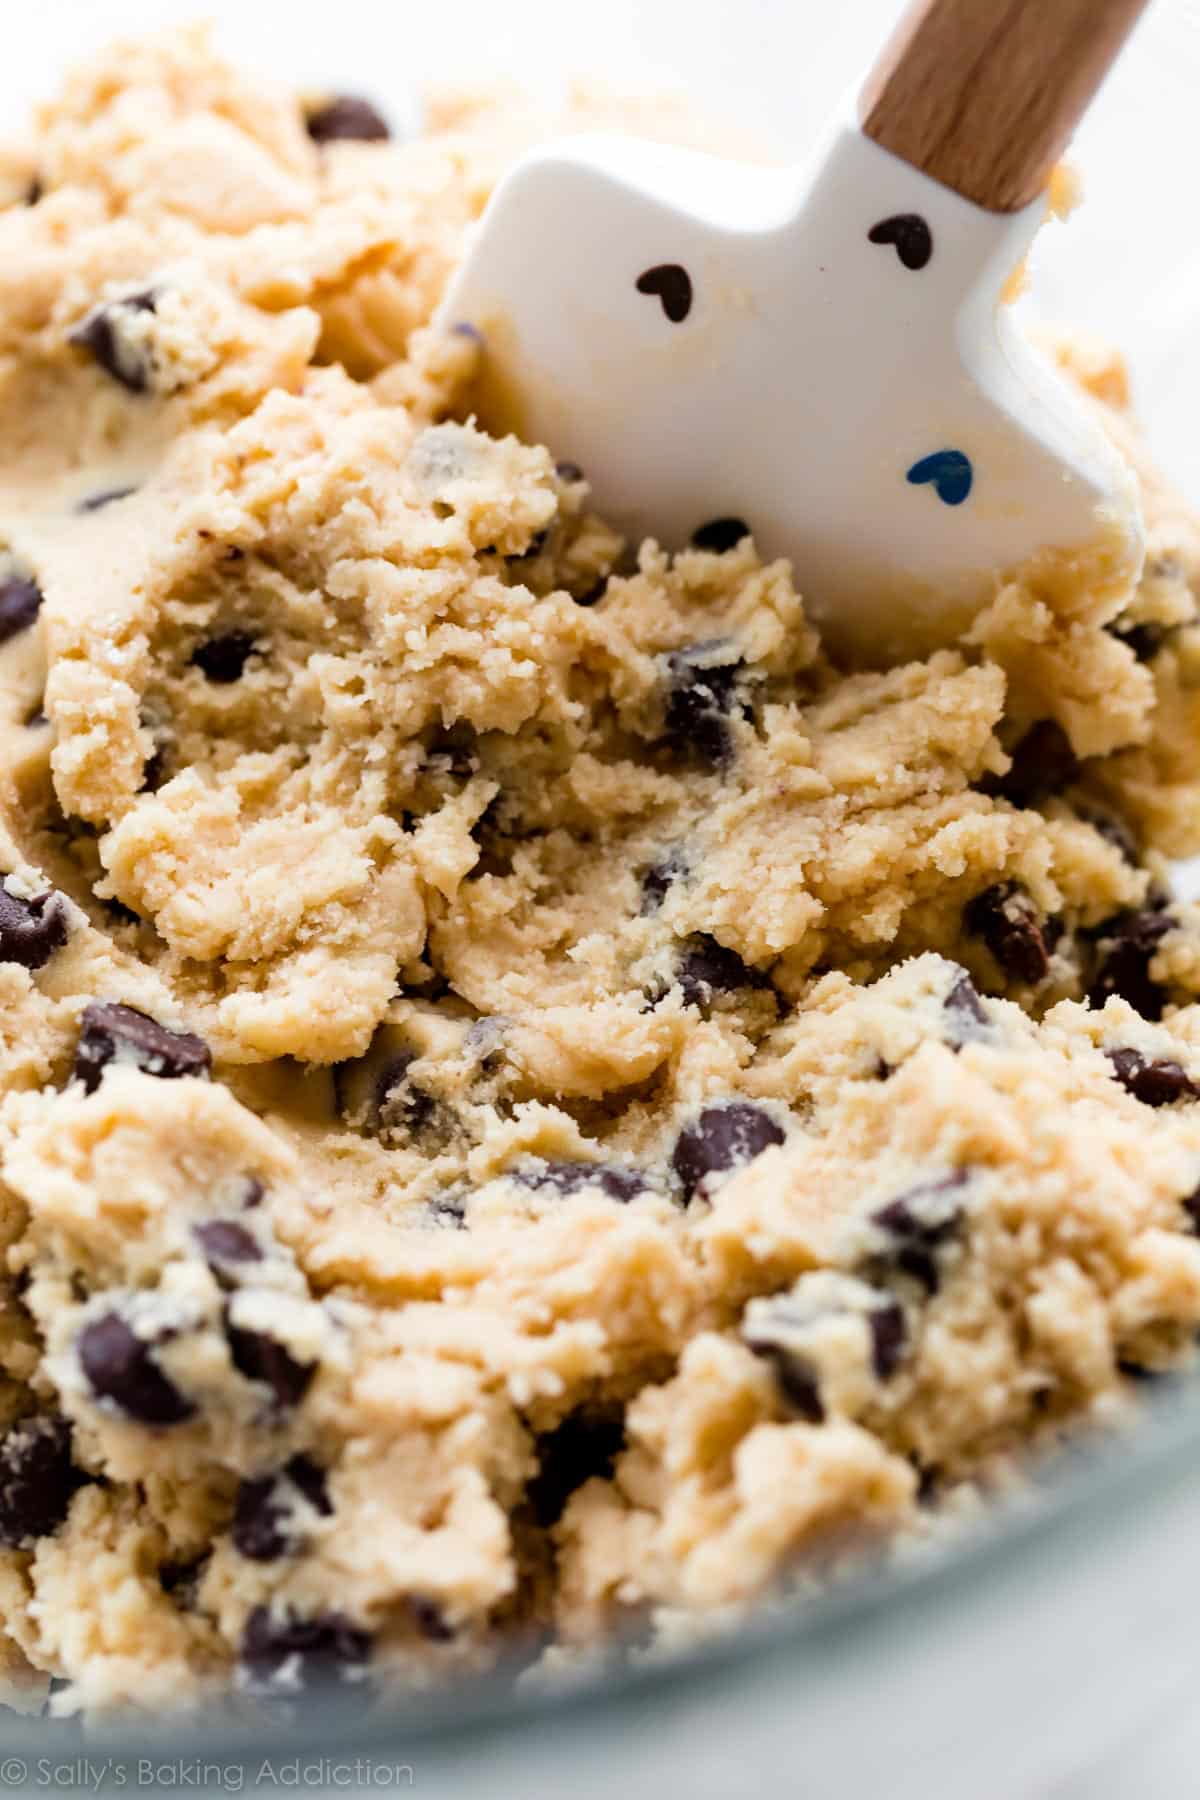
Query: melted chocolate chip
x=430 y=1620
x=254 y=1194
x=104 y=334
x=1125 y=947
x=1009 y=923
x=1153 y=1081
x=673 y=286
x=1043 y=763
x=347 y=118
x=701 y=694
x=120 y=1367
x=720 y=535
x=260 y=1357
x=113 y=1032
x=657 y=881
x=105 y=497
x=584 y=1445
x=31 y=930
x=721 y=1137
x=708 y=968
x=37 y=1479
x=225 y=1242
x=288 y=1653
x=223 y=659
x=262 y=1515
x=917 y=1224
x=20 y=603
x=616 y=1180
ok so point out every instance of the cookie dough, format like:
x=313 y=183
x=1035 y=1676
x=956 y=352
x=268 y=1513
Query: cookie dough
x=532 y=1105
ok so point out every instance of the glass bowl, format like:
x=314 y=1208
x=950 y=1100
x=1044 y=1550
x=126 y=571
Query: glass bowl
x=1049 y=1649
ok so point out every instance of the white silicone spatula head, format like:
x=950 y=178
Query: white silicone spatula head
x=821 y=355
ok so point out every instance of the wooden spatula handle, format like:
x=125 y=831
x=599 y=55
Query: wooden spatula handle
x=984 y=94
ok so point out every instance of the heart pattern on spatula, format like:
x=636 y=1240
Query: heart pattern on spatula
x=949 y=471
x=673 y=286
x=909 y=233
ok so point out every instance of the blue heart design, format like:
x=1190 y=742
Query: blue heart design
x=950 y=472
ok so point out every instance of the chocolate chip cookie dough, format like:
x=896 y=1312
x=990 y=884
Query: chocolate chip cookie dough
x=531 y=1103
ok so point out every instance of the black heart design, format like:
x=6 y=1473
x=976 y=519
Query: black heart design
x=911 y=236
x=673 y=285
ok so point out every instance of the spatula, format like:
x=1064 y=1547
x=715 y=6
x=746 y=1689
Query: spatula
x=821 y=355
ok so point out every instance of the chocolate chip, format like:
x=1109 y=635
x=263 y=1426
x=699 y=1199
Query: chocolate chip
x=284 y=1652
x=1006 y=919
x=658 y=880
x=260 y=1357
x=673 y=286
x=1043 y=763
x=888 y=1335
x=917 y=1223
x=120 y=1367
x=105 y=497
x=701 y=693
x=37 y=1478
x=105 y=335
x=430 y=1620
x=113 y=1032
x=263 y=1515
x=965 y=1009
x=616 y=1180
x=1126 y=945
x=585 y=1445
x=254 y=1193
x=790 y=1331
x=797 y=1380
x=1191 y=1206
x=31 y=930
x=449 y=1210
x=708 y=968
x=594 y=594
x=725 y=1136
x=34 y=191
x=347 y=118
x=568 y=472
x=225 y=1242
x=223 y=659
x=20 y=603
x=401 y=1104
x=720 y=535
x=1153 y=1081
